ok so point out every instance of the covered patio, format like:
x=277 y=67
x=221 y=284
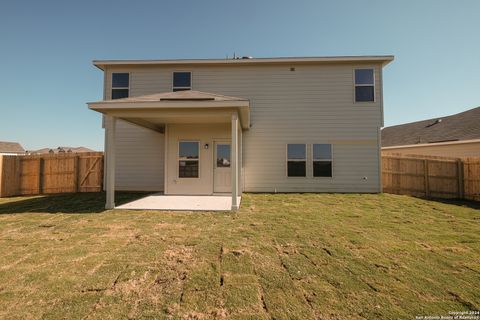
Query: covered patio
x=160 y=201
x=170 y=114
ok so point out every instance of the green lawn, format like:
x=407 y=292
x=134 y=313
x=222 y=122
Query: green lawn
x=298 y=256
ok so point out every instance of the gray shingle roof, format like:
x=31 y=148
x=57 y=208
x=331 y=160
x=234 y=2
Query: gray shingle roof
x=285 y=60
x=11 y=147
x=457 y=127
x=61 y=150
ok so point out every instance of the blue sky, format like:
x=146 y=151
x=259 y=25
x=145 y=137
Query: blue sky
x=46 y=48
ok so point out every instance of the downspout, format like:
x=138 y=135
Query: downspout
x=105 y=146
x=379 y=133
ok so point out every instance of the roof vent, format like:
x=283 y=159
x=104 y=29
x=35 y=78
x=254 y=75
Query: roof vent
x=434 y=123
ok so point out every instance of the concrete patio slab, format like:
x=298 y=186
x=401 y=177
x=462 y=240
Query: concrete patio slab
x=160 y=201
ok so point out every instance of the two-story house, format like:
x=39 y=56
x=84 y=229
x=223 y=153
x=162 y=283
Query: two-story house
x=203 y=127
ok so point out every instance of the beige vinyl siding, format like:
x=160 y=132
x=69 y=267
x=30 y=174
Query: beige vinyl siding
x=313 y=104
x=456 y=150
x=139 y=158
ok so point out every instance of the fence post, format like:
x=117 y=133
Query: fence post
x=76 y=177
x=18 y=177
x=41 y=176
x=461 y=182
x=426 y=178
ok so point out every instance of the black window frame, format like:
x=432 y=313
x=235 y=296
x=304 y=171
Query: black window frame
x=181 y=87
x=120 y=92
x=360 y=88
x=322 y=160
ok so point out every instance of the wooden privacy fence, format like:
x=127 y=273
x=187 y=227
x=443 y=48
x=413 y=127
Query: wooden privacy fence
x=57 y=173
x=431 y=177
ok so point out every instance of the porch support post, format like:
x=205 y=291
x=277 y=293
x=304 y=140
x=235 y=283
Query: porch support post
x=240 y=160
x=234 y=161
x=110 y=161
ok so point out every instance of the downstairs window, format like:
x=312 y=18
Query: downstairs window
x=296 y=160
x=188 y=159
x=322 y=160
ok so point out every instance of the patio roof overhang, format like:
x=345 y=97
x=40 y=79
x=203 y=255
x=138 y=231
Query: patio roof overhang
x=154 y=111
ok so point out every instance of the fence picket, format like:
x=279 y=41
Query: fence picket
x=411 y=175
x=58 y=173
x=436 y=177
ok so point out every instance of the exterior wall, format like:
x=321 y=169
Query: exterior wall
x=189 y=132
x=458 y=150
x=139 y=158
x=312 y=104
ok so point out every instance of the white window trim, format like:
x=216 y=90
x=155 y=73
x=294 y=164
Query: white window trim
x=182 y=88
x=113 y=88
x=296 y=160
x=178 y=159
x=355 y=85
x=331 y=160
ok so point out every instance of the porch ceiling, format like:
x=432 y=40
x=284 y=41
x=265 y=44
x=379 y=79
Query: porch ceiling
x=153 y=111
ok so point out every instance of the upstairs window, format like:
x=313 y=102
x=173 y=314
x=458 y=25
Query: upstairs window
x=364 y=85
x=188 y=158
x=120 y=85
x=322 y=160
x=296 y=160
x=182 y=81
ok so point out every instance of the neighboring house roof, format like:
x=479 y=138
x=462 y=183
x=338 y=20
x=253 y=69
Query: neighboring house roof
x=185 y=95
x=385 y=59
x=457 y=127
x=61 y=150
x=11 y=147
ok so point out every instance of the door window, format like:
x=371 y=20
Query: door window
x=223 y=156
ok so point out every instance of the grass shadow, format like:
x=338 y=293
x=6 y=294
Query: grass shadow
x=89 y=202
x=472 y=204
x=459 y=202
